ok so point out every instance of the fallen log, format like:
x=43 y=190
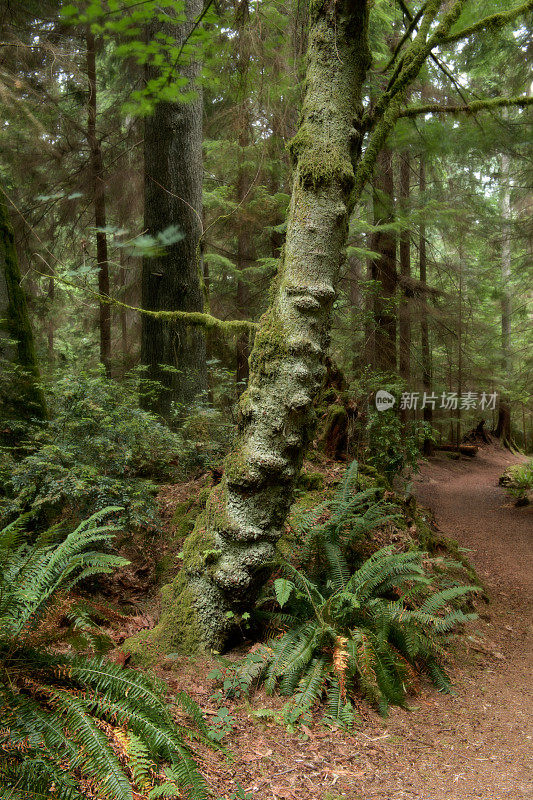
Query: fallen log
x=465 y=449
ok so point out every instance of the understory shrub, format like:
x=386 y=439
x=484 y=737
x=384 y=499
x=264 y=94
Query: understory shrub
x=384 y=440
x=518 y=480
x=71 y=726
x=347 y=627
x=98 y=448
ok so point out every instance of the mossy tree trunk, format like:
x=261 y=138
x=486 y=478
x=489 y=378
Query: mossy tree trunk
x=22 y=396
x=226 y=558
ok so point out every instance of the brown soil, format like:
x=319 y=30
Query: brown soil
x=477 y=744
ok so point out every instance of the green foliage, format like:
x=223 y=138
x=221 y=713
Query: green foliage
x=518 y=480
x=72 y=726
x=168 y=51
x=355 y=630
x=97 y=449
x=392 y=446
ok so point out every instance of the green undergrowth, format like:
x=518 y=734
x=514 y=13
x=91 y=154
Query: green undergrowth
x=74 y=726
x=517 y=480
x=358 y=606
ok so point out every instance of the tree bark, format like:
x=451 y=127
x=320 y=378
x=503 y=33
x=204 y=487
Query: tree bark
x=503 y=428
x=424 y=330
x=98 y=189
x=405 y=271
x=173 y=197
x=384 y=267
x=22 y=396
x=226 y=556
x=245 y=243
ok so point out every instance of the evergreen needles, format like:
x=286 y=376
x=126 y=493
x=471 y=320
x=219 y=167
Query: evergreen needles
x=70 y=726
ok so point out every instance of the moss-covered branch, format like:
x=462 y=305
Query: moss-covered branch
x=196 y=319
x=493 y=23
x=470 y=108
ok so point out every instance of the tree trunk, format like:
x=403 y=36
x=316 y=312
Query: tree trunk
x=227 y=555
x=384 y=267
x=173 y=197
x=245 y=243
x=424 y=330
x=22 y=396
x=405 y=270
x=50 y=321
x=503 y=428
x=98 y=189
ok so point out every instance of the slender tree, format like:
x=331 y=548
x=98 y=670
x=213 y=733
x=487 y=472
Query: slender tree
x=384 y=271
x=405 y=272
x=503 y=427
x=424 y=329
x=100 y=219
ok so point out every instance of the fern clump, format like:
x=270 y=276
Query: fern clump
x=357 y=629
x=71 y=726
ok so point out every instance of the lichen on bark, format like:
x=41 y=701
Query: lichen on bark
x=245 y=514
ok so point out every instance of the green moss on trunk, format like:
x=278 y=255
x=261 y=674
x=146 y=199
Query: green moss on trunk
x=227 y=556
x=26 y=398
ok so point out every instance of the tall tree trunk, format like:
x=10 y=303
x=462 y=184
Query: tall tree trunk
x=122 y=312
x=50 y=321
x=22 y=396
x=173 y=197
x=384 y=266
x=424 y=330
x=98 y=189
x=503 y=427
x=226 y=556
x=460 y=343
x=356 y=311
x=245 y=244
x=405 y=271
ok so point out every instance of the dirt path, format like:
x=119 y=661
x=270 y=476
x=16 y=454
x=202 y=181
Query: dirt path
x=477 y=744
x=480 y=743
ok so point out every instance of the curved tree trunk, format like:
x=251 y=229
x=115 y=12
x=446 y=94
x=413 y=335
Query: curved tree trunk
x=173 y=197
x=226 y=556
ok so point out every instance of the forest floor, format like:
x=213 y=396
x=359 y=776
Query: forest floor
x=475 y=744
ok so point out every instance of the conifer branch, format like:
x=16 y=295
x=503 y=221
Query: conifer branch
x=493 y=22
x=471 y=108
